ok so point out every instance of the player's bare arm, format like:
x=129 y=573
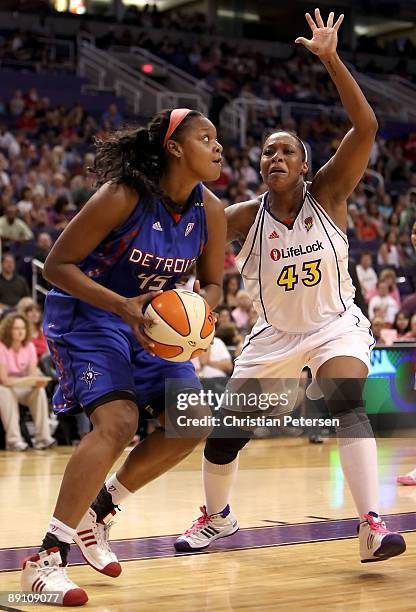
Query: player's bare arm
x=106 y=210
x=240 y=217
x=210 y=265
x=337 y=179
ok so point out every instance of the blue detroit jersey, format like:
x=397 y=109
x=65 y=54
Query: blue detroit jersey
x=95 y=351
x=151 y=250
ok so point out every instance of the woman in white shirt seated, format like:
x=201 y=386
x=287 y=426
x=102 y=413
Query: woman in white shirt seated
x=17 y=360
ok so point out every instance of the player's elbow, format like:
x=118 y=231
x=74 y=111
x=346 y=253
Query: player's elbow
x=49 y=269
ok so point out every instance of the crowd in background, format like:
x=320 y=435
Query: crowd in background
x=46 y=153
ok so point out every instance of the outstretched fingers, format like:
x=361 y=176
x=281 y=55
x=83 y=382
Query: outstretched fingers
x=311 y=22
x=319 y=19
x=338 y=22
x=330 y=21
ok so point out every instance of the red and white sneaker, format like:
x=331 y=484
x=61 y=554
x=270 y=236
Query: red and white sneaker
x=92 y=538
x=408 y=479
x=43 y=573
x=206 y=529
x=377 y=543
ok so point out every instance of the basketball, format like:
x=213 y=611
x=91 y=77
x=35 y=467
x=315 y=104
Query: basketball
x=184 y=325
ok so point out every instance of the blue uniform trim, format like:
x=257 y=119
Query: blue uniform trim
x=255 y=336
x=335 y=255
x=261 y=245
x=327 y=217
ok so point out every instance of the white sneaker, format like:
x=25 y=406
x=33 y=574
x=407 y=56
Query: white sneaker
x=377 y=543
x=43 y=573
x=92 y=539
x=206 y=529
x=17 y=447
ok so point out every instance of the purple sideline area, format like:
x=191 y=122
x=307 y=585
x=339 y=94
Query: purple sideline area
x=162 y=546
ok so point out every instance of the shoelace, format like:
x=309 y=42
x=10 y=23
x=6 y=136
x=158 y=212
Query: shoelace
x=200 y=522
x=48 y=570
x=375 y=524
x=102 y=534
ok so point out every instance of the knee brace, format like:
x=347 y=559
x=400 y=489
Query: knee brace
x=343 y=398
x=223 y=450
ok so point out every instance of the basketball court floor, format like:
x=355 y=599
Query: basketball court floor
x=296 y=549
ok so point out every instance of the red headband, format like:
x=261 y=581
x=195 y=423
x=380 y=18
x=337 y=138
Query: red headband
x=176 y=118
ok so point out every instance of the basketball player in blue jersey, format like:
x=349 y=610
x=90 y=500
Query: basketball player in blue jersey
x=293 y=261
x=149 y=221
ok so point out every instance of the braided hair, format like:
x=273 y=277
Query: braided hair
x=135 y=156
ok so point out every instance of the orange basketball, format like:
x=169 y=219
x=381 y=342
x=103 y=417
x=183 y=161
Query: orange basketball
x=184 y=324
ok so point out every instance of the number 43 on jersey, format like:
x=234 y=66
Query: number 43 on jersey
x=311 y=275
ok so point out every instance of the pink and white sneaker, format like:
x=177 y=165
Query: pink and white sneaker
x=43 y=573
x=408 y=479
x=92 y=538
x=206 y=529
x=377 y=543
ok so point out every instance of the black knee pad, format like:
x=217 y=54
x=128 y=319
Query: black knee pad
x=224 y=450
x=343 y=395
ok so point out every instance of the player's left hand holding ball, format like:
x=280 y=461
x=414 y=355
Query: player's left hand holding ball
x=324 y=37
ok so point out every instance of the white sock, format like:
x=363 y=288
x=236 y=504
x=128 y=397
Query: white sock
x=218 y=480
x=359 y=463
x=412 y=474
x=117 y=491
x=61 y=531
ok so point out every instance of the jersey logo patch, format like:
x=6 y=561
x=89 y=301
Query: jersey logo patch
x=157 y=226
x=89 y=376
x=189 y=228
x=274 y=234
x=308 y=223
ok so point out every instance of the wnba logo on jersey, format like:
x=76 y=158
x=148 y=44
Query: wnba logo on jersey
x=276 y=254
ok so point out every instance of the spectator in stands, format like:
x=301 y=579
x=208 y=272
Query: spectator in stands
x=366 y=228
x=17 y=103
x=224 y=316
x=377 y=325
x=12 y=286
x=44 y=244
x=411 y=334
x=17 y=360
x=241 y=313
x=401 y=323
x=385 y=303
x=388 y=253
x=113 y=116
x=13 y=228
x=229 y=260
x=25 y=205
x=388 y=275
x=33 y=314
x=366 y=274
x=232 y=284
x=216 y=362
x=231 y=337
x=8 y=142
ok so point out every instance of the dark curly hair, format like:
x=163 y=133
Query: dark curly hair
x=135 y=156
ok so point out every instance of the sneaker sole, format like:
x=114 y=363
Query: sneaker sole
x=392 y=548
x=185 y=547
x=115 y=570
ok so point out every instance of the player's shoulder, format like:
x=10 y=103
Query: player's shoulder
x=240 y=218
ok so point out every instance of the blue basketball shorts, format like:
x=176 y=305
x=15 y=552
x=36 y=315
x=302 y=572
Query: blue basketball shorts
x=98 y=360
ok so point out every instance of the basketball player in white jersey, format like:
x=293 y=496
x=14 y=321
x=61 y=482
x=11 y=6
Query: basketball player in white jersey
x=409 y=479
x=293 y=261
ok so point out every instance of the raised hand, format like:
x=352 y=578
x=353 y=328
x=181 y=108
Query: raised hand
x=324 y=38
